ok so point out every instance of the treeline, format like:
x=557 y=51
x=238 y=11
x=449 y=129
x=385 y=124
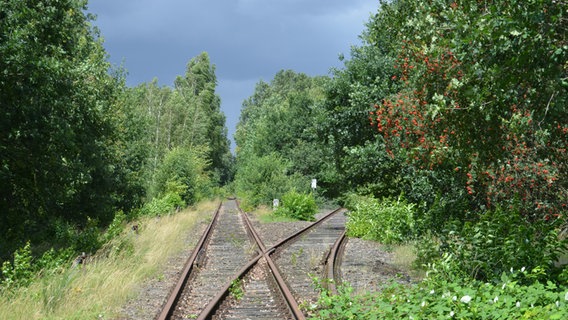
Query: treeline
x=79 y=149
x=447 y=126
x=277 y=138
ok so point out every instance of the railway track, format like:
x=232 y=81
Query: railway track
x=225 y=249
x=333 y=263
x=234 y=276
x=304 y=255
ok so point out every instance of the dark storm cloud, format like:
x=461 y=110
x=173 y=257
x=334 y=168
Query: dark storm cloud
x=247 y=40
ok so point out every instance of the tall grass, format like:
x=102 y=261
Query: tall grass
x=98 y=289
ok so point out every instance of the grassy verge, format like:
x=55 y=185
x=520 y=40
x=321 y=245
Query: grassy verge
x=99 y=288
x=404 y=257
x=265 y=214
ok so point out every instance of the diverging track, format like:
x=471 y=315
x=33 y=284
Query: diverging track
x=304 y=255
x=231 y=274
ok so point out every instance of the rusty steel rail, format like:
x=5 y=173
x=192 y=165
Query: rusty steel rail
x=169 y=306
x=293 y=306
x=309 y=243
x=292 y=303
x=333 y=263
x=215 y=303
x=224 y=292
x=297 y=235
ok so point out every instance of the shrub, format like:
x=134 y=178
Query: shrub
x=500 y=240
x=53 y=261
x=260 y=179
x=186 y=169
x=163 y=205
x=297 y=205
x=388 y=220
x=77 y=237
x=20 y=272
x=115 y=228
x=436 y=298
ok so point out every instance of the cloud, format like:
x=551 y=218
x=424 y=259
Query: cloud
x=247 y=40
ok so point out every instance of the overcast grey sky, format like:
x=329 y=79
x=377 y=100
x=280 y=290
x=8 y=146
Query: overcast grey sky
x=247 y=40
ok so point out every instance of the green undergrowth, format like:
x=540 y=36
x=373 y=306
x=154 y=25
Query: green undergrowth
x=438 y=298
x=497 y=264
x=98 y=288
x=385 y=220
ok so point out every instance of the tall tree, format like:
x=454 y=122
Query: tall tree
x=56 y=125
x=203 y=122
x=278 y=125
x=483 y=97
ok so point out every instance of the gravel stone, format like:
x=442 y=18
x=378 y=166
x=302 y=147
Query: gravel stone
x=369 y=268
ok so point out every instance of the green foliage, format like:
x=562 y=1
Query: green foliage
x=501 y=240
x=162 y=205
x=370 y=170
x=436 y=298
x=133 y=151
x=20 y=272
x=297 y=205
x=24 y=268
x=261 y=179
x=343 y=125
x=76 y=145
x=277 y=138
x=116 y=226
x=187 y=116
x=387 y=221
x=460 y=105
x=183 y=171
x=236 y=289
x=57 y=127
x=53 y=261
x=78 y=238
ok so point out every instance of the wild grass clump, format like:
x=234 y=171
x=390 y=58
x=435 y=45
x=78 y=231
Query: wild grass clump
x=100 y=286
x=301 y=206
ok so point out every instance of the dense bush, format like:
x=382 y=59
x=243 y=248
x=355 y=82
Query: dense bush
x=482 y=98
x=388 y=220
x=116 y=226
x=297 y=205
x=259 y=180
x=162 y=205
x=182 y=168
x=501 y=240
x=20 y=271
x=77 y=238
x=24 y=268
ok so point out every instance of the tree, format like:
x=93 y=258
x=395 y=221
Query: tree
x=56 y=128
x=203 y=122
x=185 y=119
x=280 y=120
x=483 y=93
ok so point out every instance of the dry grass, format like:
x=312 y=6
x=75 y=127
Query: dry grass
x=404 y=256
x=102 y=286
